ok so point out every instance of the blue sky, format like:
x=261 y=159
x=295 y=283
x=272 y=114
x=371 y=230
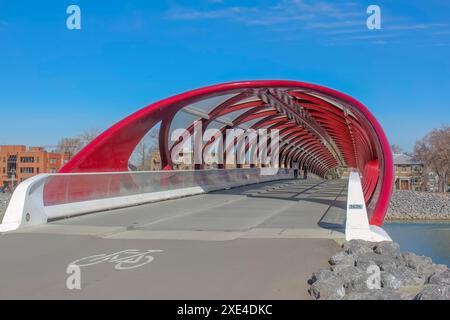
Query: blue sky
x=55 y=82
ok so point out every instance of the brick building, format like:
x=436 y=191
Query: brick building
x=17 y=163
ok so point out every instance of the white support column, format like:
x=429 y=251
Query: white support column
x=357 y=222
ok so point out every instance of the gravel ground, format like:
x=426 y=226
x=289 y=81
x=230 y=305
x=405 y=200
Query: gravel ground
x=4 y=199
x=412 y=205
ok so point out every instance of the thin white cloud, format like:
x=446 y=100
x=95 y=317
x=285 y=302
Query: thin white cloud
x=345 y=31
x=441 y=32
x=336 y=25
x=334 y=21
x=283 y=12
x=242 y=15
x=367 y=36
x=436 y=43
x=182 y=13
x=421 y=26
x=342 y=10
x=273 y=20
x=350 y=27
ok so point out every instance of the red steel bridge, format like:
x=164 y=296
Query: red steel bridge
x=221 y=233
x=319 y=128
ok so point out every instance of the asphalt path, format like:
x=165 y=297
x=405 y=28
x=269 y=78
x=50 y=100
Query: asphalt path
x=255 y=242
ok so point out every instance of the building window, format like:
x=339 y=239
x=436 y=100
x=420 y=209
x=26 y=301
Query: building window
x=37 y=159
x=52 y=160
x=26 y=170
x=37 y=170
x=27 y=159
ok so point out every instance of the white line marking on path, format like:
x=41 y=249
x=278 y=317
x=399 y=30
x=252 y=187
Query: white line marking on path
x=124 y=260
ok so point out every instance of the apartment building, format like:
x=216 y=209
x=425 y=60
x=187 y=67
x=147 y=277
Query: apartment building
x=17 y=163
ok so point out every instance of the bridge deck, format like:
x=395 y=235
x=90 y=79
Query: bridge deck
x=259 y=241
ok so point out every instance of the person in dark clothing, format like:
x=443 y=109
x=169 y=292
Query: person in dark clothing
x=305 y=172
x=295 y=167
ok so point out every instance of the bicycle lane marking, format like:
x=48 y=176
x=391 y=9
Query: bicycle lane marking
x=124 y=260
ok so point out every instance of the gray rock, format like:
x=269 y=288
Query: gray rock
x=340 y=268
x=388 y=248
x=363 y=259
x=404 y=276
x=347 y=274
x=380 y=294
x=423 y=265
x=363 y=265
x=356 y=281
x=428 y=270
x=357 y=247
x=408 y=205
x=322 y=274
x=441 y=278
x=328 y=289
x=390 y=281
x=390 y=264
x=413 y=261
x=434 y=292
x=342 y=258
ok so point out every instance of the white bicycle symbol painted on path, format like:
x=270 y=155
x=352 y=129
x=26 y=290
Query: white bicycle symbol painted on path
x=124 y=260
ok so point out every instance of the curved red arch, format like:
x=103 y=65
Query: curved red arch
x=353 y=133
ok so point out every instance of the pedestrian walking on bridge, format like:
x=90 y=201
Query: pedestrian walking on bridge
x=295 y=167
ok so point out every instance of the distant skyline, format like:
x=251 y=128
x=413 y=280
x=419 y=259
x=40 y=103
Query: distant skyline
x=56 y=82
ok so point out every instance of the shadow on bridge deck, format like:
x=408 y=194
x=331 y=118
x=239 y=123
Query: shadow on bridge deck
x=255 y=242
x=294 y=208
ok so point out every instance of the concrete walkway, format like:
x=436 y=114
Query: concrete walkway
x=255 y=242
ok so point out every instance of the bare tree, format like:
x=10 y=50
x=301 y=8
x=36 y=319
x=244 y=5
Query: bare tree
x=72 y=146
x=434 y=151
x=140 y=156
x=88 y=135
x=396 y=148
x=69 y=146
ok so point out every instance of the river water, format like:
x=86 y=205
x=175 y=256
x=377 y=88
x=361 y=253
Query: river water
x=429 y=239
